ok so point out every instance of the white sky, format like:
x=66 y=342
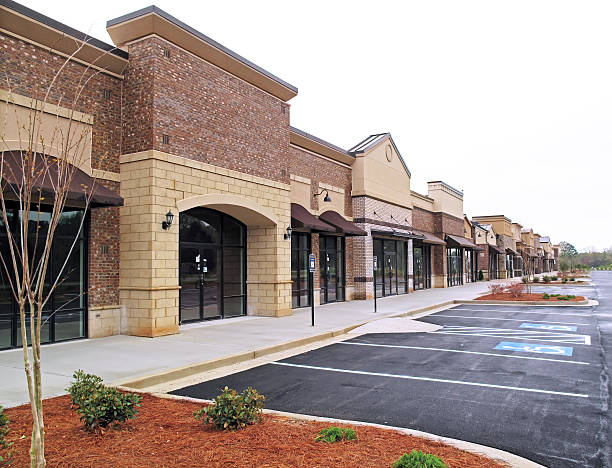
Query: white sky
x=509 y=101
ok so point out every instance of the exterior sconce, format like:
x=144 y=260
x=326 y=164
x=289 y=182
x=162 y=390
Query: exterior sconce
x=168 y=222
x=289 y=231
x=327 y=198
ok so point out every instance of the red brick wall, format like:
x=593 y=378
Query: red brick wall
x=208 y=114
x=30 y=70
x=423 y=220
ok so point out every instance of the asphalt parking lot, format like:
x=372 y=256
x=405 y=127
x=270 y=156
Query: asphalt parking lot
x=523 y=379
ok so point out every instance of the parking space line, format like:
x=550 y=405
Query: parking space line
x=465 y=352
x=523 y=312
x=510 y=320
x=430 y=379
x=518 y=334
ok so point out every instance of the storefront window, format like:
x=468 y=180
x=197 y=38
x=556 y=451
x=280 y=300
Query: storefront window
x=422 y=266
x=65 y=314
x=454 y=266
x=300 y=277
x=391 y=277
x=331 y=268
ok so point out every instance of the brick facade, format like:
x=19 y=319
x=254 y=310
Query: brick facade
x=30 y=70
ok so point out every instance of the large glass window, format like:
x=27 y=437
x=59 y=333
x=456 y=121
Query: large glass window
x=331 y=267
x=212 y=265
x=391 y=277
x=454 y=266
x=421 y=256
x=300 y=277
x=493 y=268
x=65 y=314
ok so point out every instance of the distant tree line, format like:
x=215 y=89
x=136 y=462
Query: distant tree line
x=581 y=260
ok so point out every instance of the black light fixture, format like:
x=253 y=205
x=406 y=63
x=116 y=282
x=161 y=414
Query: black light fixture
x=289 y=231
x=327 y=198
x=168 y=222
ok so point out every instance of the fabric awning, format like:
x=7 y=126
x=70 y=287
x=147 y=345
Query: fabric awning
x=302 y=218
x=341 y=224
x=496 y=249
x=393 y=232
x=429 y=238
x=462 y=242
x=82 y=187
x=511 y=252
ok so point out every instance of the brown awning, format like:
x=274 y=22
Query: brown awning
x=302 y=218
x=496 y=249
x=82 y=187
x=342 y=225
x=429 y=238
x=394 y=232
x=511 y=252
x=461 y=242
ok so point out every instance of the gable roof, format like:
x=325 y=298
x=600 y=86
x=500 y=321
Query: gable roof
x=374 y=140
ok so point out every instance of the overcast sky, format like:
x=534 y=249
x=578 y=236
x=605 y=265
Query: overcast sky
x=509 y=101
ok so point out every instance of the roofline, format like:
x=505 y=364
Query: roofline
x=493 y=217
x=447 y=185
x=64 y=28
x=374 y=144
x=319 y=140
x=152 y=9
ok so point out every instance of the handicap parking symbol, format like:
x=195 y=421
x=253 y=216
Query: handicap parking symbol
x=535 y=348
x=545 y=326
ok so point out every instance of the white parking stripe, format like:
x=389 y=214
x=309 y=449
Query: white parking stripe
x=573 y=340
x=460 y=351
x=521 y=312
x=510 y=320
x=430 y=379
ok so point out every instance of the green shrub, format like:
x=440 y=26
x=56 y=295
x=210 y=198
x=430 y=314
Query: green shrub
x=546 y=279
x=232 y=410
x=98 y=405
x=572 y=279
x=564 y=280
x=545 y=296
x=536 y=279
x=335 y=434
x=525 y=279
x=418 y=459
x=571 y=296
x=554 y=277
x=480 y=275
x=4 y=444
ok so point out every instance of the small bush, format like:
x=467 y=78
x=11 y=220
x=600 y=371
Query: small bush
x=536 y=279
x=525 y=279
x=496 y=288
x=571 y=296
x=546 y=279
x=99 y=405
x=564 y=280
x=4 y=444
x=335 y=434
x=480 y=275
x=572 y=279
x=545 y=296
x=418 y=459
x=515 y=289
x=554 y=277
x=232 y=411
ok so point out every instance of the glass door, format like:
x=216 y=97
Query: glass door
x=200 y=285
x=300 y=277
x=331 y=268
x=390 y=284
x=419 y=273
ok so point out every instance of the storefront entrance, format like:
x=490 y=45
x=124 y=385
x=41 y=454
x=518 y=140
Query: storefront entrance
x=212 y=259
x=300 y=277
x=422 y=266
x=331 y=263
x=65 y=314
x=470 y=266
x=391 y=274
x=454 y=266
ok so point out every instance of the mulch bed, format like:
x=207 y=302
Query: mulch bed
x=525 y=297
x=165 y=434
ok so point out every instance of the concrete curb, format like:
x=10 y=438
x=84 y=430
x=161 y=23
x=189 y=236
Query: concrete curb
x=490 y=452
x=544 y=303
x=144 y=381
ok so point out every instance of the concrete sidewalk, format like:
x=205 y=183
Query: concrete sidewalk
x=118 y=358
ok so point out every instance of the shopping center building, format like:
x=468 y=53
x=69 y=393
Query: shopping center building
x=208 y=202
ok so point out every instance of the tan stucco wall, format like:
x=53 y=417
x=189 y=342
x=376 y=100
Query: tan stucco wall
x=422 y=201
x=55 y=129
x=153 y=182
x=446 y=199
x=300 y=191
x=501 y=224
x=375 y=176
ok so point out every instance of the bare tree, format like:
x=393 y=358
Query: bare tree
x=38 y=179
x=528 y=269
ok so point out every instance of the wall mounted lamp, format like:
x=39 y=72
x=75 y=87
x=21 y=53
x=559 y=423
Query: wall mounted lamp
x=327 y=198
x=168 y=222
x=289 y=231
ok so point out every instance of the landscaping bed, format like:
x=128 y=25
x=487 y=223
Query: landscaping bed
x=528 y=297
x=165 y=434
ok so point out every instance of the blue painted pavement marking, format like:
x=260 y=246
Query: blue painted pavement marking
x=535 y=348
x=545 y=326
